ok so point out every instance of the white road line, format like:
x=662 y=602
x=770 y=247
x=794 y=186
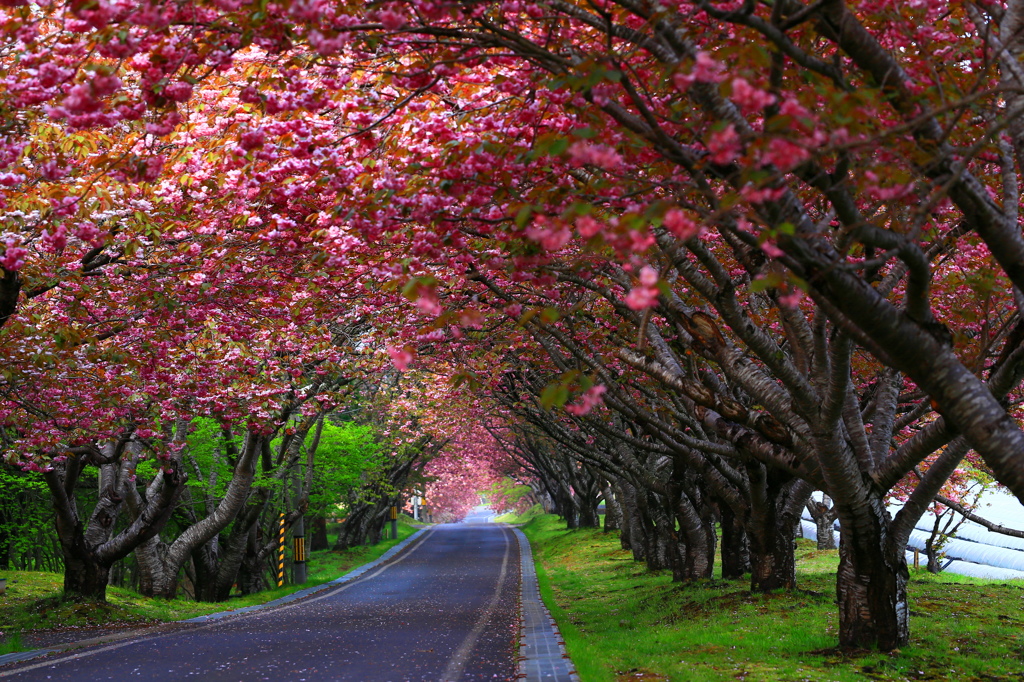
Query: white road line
x=342 y=588
x=301 y=602
x=458 y=662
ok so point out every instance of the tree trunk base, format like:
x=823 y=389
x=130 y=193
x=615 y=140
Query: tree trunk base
x=872 y=595
x=85 y=581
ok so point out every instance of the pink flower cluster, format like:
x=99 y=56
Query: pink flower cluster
x=645 y=295
x=590 y=399
x=725 y=145
x=551 y=236
x=599 y=155
x=14 y=255
x=680 y=225
x=705 y=70
x=749 y=98
x=400 y=357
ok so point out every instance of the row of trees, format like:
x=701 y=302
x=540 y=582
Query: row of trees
x=752 y=249
x=207 y=508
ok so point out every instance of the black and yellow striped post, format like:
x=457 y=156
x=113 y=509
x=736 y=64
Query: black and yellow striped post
x=298 y=554
x=280 y=552
x=394 y=522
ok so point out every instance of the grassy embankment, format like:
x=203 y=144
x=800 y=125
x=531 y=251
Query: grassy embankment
x=528 y=515
x=33 y=598
x=621 y=622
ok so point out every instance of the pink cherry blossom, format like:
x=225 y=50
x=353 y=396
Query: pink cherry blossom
x=749 y=98
x=785 y=155
x=642 y=297
x=725 y=145
x=400 y=357
x=590 y=399
x=599 y=155
x=680 y=224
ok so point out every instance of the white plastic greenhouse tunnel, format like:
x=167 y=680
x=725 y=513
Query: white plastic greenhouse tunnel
x=974 y=550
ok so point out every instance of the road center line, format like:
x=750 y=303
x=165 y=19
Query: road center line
x=458 y=662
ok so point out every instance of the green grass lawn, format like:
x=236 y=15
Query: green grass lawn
x=33 y=598
x=621 y=622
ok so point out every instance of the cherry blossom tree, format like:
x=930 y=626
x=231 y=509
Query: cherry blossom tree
x=750 y=230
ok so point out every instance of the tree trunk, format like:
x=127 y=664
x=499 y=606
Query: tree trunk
x=567 y=508
x=825 y=532
x=318 y=538
x=824 y=515
x=735 y=547
x=589 y=517
x=772 y=563
x=252 y=569
x=85 y=578
x=354 y=529
x=252 y=573
x=244 y=532
x=612 y=512
x=90 y=549
x=198 y=534
x=660 y=535
x=10 y=290
x=634 y=534
x=776 y=501
x=871 y=587
x=697 y=544
x=149 y=564
x=933 y=556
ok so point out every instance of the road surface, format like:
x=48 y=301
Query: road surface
x=444 y=609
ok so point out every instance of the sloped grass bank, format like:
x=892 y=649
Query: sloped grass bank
x=511 y=517
x=621 y=622
x=33 y=614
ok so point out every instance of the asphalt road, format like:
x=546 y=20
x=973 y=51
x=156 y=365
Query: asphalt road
x=444 y=609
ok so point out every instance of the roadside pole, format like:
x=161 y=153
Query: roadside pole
x=280 y=551
x=394 y=523
x=299 y=570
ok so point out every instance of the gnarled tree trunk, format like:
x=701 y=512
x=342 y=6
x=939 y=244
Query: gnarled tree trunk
x=776 y=502
x=871 y=588
x=90 y=549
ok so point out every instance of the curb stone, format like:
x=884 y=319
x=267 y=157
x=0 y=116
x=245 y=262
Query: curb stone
x=351 y=575
x=542 y=655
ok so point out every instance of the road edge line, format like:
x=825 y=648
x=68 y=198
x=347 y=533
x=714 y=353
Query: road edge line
x=542 y=654
x=354 y=574
x=305 y=592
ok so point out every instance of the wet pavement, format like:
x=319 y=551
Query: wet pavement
x=444 y=608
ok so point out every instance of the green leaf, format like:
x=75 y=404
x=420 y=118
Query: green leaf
x=554 y=395
x=550 y=315
x=523 y=215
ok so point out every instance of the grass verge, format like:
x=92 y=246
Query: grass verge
x=511 y=517
x=33 y=601
x=621 y=622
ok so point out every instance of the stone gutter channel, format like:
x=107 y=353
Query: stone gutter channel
x=542 y=656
